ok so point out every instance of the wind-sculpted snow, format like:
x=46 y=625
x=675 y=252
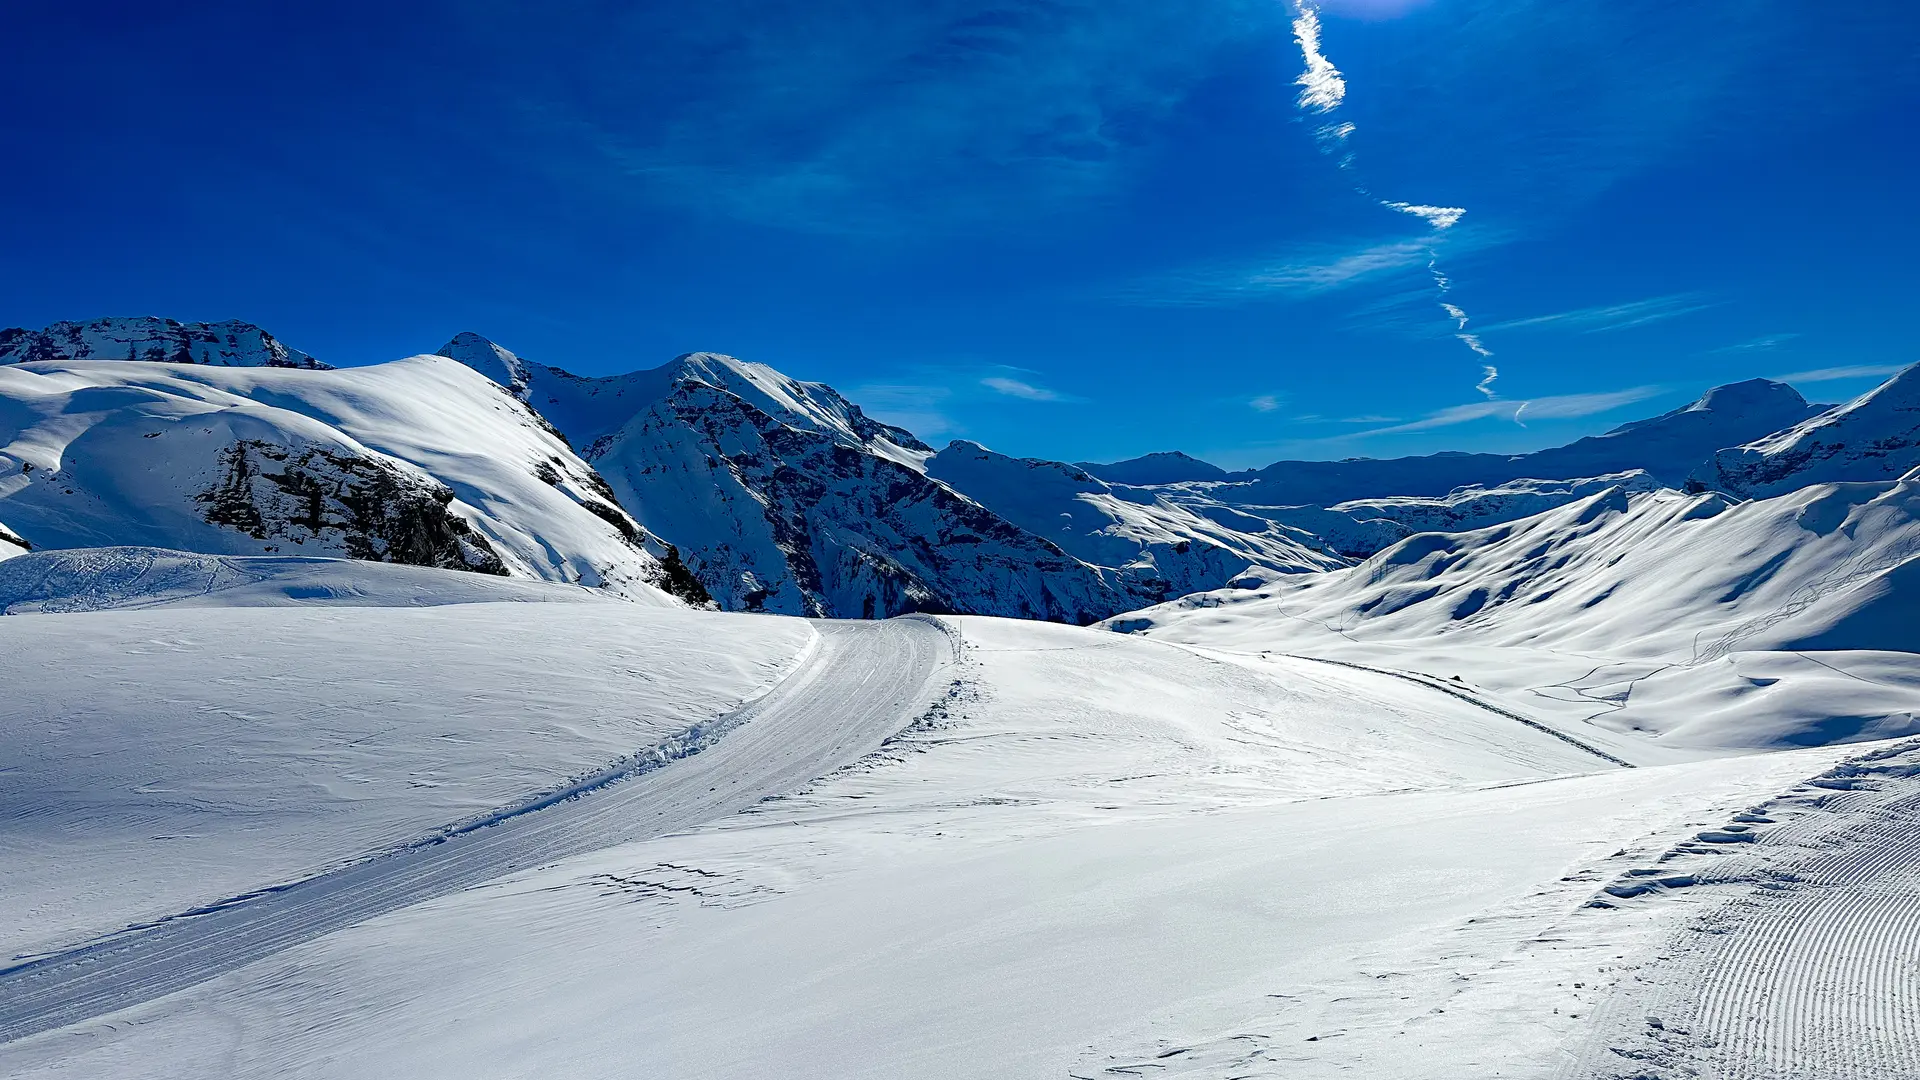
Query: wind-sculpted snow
x=222 y=344
x=1874 y=437
x=1640 y=599
x=417 y=461
x=1652 y=574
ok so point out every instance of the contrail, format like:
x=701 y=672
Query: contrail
x=1322 y=90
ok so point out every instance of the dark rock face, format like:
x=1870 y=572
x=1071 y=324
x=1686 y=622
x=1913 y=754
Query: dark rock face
x=372 y=509
x=858 y=535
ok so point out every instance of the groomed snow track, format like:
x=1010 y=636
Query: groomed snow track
x=863 y=682
x=1810 y=968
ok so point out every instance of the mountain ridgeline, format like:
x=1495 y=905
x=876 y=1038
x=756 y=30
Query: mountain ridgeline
x=711 y=480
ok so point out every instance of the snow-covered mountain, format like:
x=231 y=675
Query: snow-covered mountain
x=1164 y=467
x=1874 y=437
x=1159 y=544
x=418 y=461
x=222 y=344
x=1668 y=447
x=784 y=497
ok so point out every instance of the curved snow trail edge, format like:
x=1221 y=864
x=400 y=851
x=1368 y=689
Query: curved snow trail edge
x=861 y=683
x=1436 y=684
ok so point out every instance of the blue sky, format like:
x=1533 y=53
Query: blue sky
x=1064 y=228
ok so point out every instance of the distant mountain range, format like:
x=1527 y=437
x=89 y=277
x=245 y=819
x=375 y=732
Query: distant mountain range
x=715 y=480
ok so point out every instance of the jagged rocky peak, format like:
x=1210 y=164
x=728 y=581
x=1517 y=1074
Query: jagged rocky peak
x=489 y=359
x=811 y=405
x=219 y=344
x=1165 y=467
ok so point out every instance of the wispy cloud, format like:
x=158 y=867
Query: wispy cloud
x=1488 y=373
x=1759 y=344
x=1597 y=320
x=1302 y=272
x=847 y=116
x=1440 y=217
x=1019 y=388
x=1264 y=403
x=1557 y=407
x=1322 y=89
x=1472 y=341
x=1835 y=374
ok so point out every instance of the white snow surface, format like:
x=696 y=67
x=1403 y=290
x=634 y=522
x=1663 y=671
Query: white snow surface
x=162 y=758
x=101 y=579
x=1101 y=853
x=97 y=453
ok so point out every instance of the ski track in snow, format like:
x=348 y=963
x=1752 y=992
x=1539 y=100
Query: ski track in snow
x=863 y=682
x=1812 y=969
x=1437 y=684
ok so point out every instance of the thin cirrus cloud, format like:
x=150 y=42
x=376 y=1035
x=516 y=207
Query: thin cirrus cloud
x=1556 y=407
x=1599 y=320
x=1302 y=272
x=1020 y=388
x=1759 y=344
x=1835 y=374
x=850 y=117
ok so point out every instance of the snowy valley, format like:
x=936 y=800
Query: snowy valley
x=463 y=716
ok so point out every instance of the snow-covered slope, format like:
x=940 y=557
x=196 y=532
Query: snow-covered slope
x=1647 y=581
x=123 y=578
x=418 y=461
x=1158 y=544
x=1475 y=507
x=1874 y=437
x=222 y=344
x=221 y=741
x=1652 y=574
x=784 y=497
x=1101 y=856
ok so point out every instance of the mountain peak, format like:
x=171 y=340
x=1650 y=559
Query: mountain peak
x=1874 y=437
x=155 y=340
x=1750 y=395
x=496 y=363
x=1163 y=467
